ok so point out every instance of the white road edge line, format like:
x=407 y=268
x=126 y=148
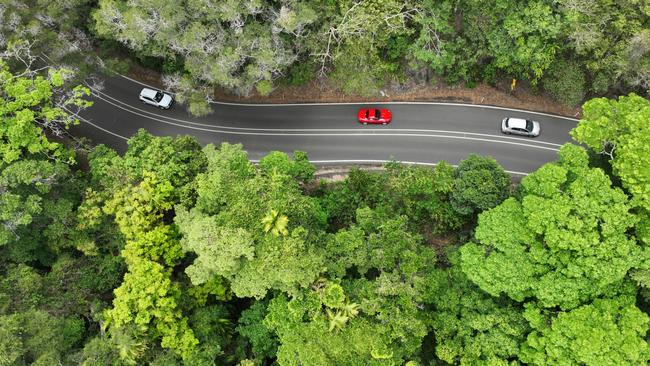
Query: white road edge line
x=364 y=134
x=100 y=97
x=366 y=103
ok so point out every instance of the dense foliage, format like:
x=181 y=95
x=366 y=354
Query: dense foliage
x=575 y=48
x=570 y=48
x=175 y=253
x=178 y=254
x=551 y=243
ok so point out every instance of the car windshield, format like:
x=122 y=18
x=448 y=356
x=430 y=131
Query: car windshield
x=159 y=96
x=377 y=114
x=529 y=125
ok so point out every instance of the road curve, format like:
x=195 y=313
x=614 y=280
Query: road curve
x=421 y=132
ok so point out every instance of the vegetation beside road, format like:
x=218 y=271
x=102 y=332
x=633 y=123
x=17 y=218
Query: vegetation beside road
x=570 y=49
x=177 y=254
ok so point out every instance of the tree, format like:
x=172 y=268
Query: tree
x=263 y=342
x=176 y=160
x=524 y=44
x=139 y=209
x=480 y=183
x=619 y=130
x=36 y=180
x=605 y=332
x=299 y=168
x=472 y=327
x=25 y=184
x=11 y=345
x=419 y=193
x=31 y=103
x=341 y=339
x=100 y=351
x=471 y=40
x=357 y=341
x=612 y=38
x=226 y=228
x=423 y=195
x=52 y=31
x=36 y=337
x=367 y=307
x=221 y=250
x=147 y=295
x=356 y=37
x=564 y=242
x=437 y=43
x=232 y=44
x=253 y=264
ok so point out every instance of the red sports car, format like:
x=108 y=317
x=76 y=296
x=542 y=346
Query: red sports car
x=375 y=116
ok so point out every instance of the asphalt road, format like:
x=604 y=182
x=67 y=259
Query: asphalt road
x=423 y=133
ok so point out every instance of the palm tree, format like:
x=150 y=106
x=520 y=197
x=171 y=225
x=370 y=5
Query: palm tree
x=128 y=343
x=350 y=309
x=337 y=320
x=275 y=223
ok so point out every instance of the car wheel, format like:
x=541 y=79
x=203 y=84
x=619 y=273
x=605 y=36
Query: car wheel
x=365 y=123
x=383 y=123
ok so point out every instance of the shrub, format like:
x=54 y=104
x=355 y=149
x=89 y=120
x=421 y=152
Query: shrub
x=198 y=106
x=173 y=65
x=117 y=66
x=301 y=73
x=565 y=81
x=264 y=87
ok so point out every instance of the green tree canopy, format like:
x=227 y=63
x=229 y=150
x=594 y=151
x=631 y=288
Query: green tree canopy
x=31 y=103
x=475 y=39
x=233 y=44
x=480 y=183
x=605 y=332
x=147 y=295
x=472 y=327
x=374 y=315
x=37 y=185
x=620 y=129
x=226 y=229
x=613 y=38
x=564 y=242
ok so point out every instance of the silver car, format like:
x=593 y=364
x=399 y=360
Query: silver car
x=520 y=126
x=156 y=98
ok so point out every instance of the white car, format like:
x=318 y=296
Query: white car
x=520 y=126
x=156 y=98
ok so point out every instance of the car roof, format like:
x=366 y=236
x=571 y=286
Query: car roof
x=517 y=122
x=146 y=92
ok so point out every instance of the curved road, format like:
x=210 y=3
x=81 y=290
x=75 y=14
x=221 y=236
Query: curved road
x=423 y=133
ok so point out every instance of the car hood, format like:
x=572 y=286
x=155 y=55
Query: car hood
x=166 y=100
x=386 y=114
